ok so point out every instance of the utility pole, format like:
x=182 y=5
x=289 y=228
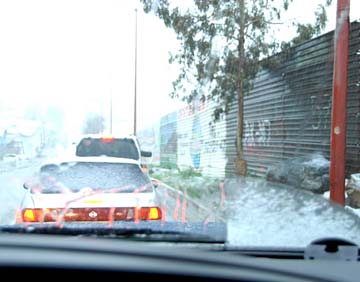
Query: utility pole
x=135 y=80
x=240 y=162
x=339 y=96
x=110 y=105
x=111 y=111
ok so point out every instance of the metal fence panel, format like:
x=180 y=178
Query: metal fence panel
x=286 y=114
x=288 y=111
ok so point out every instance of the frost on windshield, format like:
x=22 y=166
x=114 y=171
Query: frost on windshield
x=263 y=214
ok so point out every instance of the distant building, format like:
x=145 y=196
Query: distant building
x=25 y=137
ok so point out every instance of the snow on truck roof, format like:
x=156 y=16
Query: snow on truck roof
x=91 y=160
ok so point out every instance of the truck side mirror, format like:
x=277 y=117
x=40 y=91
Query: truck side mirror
x=146 y=154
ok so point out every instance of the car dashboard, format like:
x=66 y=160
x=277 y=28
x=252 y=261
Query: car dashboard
x=46 y=256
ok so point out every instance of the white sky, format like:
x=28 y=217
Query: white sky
x=74 y=53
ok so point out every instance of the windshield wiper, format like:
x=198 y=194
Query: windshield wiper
x=170 y=232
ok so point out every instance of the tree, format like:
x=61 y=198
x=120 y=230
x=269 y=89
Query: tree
x=94 y=124
x=243 y=28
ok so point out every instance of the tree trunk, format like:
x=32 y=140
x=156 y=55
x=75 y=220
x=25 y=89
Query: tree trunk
x=240 y=162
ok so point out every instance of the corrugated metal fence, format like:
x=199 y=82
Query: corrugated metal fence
x=288 y=112
x=189 y=138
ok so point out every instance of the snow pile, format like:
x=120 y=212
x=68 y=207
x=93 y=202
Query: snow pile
x=353 y=190
x=309 y=173
x=354 y=182
x=355 y=211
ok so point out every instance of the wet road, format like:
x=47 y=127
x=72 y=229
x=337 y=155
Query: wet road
x=11 y=190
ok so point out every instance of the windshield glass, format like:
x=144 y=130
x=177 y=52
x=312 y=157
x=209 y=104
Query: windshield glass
x=241 y=115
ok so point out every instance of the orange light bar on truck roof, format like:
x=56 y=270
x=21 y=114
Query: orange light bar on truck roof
x=107 y=139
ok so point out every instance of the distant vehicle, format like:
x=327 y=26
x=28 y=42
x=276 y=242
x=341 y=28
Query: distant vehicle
x=10 y=159
x=126 y=147
x=90 y=189
x=13 y=159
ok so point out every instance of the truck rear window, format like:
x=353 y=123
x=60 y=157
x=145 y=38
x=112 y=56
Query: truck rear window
x=115 y=147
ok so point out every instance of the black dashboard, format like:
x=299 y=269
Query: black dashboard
x=49 y=256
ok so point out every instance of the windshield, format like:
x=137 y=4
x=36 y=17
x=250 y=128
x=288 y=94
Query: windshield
x=239 y=115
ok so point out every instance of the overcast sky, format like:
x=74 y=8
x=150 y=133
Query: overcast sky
x=77 y=53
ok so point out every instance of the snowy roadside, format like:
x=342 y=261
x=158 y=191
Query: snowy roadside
x=202 y=195
x=353 y=210
x=348 y=206
x=213 y=195
x=181 y=207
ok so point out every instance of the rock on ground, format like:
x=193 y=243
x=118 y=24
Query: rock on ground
x=310 y=172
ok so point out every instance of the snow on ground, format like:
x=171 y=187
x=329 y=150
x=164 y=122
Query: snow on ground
x=355 y=211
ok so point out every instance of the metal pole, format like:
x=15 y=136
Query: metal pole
x=111 y=112
x=135 y=89
x=110 y=104
x=338 y=118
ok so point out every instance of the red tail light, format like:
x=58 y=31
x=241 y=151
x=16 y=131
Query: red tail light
x=151 y=213
x=32 y=215
x=90 y=214
x=39 y=215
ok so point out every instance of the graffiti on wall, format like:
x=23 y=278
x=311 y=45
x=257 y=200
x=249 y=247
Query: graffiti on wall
x=257 y=133
x=319 y=114
x=191 y=110
x=216 y=140
x=196 y=142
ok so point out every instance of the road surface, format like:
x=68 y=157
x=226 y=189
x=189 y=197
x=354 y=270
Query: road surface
x=11 y=189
